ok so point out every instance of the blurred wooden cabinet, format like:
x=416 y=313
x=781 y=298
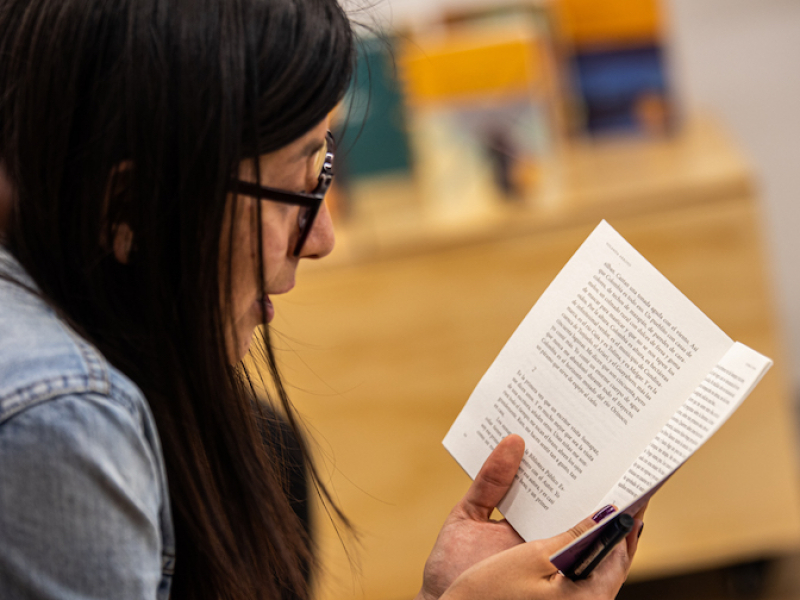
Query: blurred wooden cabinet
x=382 y=345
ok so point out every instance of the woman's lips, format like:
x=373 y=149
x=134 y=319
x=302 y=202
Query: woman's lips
x=265 y=303
x=268 y=308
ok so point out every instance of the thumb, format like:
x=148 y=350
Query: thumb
x=494 y=478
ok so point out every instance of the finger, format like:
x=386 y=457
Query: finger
x=636 y=532
x=608 y=577
x=556 y=543
x=494 y=478
x=632 y=539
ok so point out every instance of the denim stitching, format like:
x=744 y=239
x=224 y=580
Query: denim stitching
x=40 y=391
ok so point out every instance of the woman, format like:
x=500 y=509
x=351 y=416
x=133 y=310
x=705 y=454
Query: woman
x=162 y=165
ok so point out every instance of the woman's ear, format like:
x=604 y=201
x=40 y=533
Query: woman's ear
x=123 y=242
x=6 y=200
x=118 y=186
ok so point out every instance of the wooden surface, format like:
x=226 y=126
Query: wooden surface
x=382 y=347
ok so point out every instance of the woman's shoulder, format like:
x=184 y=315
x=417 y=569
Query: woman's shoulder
x=42 y=358
x=81 y=465
x=53 y=380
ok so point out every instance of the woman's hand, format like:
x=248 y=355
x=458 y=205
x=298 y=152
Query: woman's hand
x=477 y=558
x=526 y=573
x=469 y=535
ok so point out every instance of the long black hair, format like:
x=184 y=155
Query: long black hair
x=135 y=113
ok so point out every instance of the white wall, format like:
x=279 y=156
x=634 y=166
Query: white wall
x=741 y=60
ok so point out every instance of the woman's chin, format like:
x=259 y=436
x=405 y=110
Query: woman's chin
x=244 y=345
x=260 y=310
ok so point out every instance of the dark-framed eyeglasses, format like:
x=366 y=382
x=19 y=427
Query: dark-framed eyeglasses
x=309 y=202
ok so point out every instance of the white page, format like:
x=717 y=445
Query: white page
x=709 y=406
x=703 y=413
x=584 y=424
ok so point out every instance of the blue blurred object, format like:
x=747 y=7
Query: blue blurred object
x=617 y=86
x=374 y=134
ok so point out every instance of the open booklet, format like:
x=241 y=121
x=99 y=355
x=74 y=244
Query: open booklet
x=614 y=378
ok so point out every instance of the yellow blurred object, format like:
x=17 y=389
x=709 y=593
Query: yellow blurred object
x=481 y=94
x=469 y=65
x=601 y=22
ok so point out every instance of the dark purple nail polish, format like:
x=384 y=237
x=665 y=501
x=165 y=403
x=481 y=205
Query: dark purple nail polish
x=603 y=513
x=641 y=529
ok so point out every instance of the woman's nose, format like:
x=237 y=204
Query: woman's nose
x=321 y=239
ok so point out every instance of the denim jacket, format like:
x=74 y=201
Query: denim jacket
x=84 y=509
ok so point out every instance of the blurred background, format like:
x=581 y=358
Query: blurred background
x=481 y=141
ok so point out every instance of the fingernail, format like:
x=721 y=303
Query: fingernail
x=603 y=513
x=641 y=529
